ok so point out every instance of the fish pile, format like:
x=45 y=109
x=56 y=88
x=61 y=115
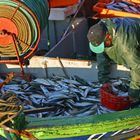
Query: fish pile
x=120 y=86
x=124 y=6
x=60 y=96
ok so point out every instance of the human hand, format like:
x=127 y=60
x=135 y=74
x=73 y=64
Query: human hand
x=107 y=86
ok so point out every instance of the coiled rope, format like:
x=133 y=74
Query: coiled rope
x=12 y=118
x=26 y=19
x=10 y=109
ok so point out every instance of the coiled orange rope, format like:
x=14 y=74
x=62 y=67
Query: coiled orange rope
x=25 y=19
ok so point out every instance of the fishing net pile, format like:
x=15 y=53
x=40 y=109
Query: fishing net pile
x=60 y=96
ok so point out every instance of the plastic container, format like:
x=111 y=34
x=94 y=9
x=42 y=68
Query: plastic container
x=62 y=3
x=112 y=101
x=103 y=12
x=132 y=1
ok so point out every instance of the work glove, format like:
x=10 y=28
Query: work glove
x=134 y=95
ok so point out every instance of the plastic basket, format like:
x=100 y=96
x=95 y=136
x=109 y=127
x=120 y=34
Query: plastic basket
x=132 y=1
x=112 y=101
x=103 y=12
x=62 y=3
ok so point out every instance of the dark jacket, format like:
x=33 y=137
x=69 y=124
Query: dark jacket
x=125 y=50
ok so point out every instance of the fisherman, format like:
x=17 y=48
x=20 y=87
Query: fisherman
x=117 y=40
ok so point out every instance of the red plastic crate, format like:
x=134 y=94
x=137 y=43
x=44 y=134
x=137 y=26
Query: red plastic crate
x=132 y=1
x=62 y=3
x=104 y=12
x=112 y=101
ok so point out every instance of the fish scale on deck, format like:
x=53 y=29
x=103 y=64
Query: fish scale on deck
x=67 y=97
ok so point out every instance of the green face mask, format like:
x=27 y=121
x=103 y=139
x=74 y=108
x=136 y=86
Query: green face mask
x=97 y=49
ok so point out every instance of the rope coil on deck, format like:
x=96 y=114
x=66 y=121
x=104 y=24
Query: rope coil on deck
x=26 y=19
x=11 y=113
x=11 y=108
